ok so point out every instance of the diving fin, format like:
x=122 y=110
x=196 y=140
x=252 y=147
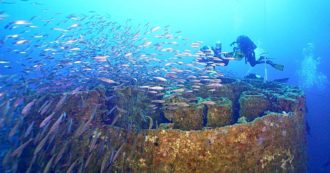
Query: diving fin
x=266 y=60
x=278 y=66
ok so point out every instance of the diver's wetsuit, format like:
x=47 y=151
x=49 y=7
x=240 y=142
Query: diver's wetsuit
x=247 y=47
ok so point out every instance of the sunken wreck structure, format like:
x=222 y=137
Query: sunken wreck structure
x=242 y=126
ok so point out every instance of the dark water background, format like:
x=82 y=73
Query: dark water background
x=281 y=28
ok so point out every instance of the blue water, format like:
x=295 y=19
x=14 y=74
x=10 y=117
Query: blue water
x=281 y=28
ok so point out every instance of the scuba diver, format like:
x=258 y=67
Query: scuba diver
x=212 y=56
x=245 y=48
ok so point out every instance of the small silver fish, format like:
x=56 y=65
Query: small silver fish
x=4 y=62
x=21 y=22
x=154 y=29
x=19 y=42
x=41 y=145
x=157 y=88
x=160 y=79
x=46 y=120
x=106 y=80
x=57 y=123
x=28 y=130
x=49 y=164
x=20 y=149
x=72 y=166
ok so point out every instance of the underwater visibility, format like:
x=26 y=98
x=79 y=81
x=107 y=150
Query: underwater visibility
x=164 y=86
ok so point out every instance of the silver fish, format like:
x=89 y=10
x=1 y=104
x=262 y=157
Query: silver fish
x=57 y=123
x=60 y=154
x=28 y=107
x=49 y=164
x=70 y=169
x=60 y=103
x=46 y=120
x=41 y=145
x=28 y=130
x=20 y=149
x=83 y=127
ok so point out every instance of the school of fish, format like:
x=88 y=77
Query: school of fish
x=72 y=53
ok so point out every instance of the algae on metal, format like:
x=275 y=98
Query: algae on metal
x=273 y=141
x=220 y=114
